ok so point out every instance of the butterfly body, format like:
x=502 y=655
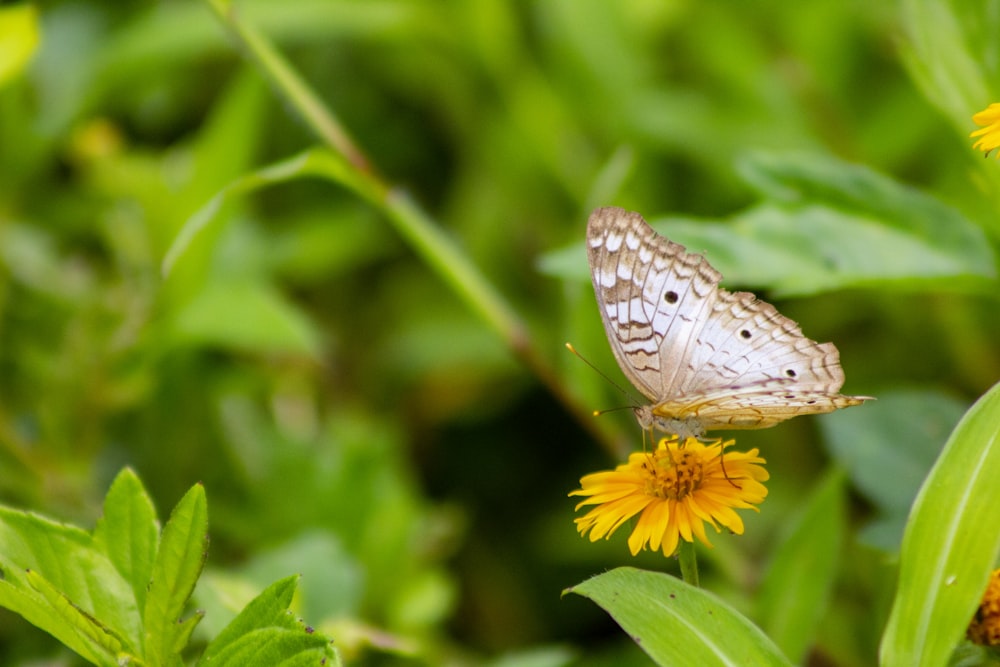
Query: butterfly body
x=706 y=358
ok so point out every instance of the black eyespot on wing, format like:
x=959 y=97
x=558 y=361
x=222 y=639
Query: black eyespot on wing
x=670 y=296
x=791 y=373
x=745 y=334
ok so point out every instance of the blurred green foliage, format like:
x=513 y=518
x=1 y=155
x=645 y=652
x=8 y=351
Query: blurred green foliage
x=351 y=417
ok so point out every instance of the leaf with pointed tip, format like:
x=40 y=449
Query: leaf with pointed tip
x=951 y=543
x=677 y=624
x=129 y=531
x=266 y=633
x=179 y=560
x=56 y=579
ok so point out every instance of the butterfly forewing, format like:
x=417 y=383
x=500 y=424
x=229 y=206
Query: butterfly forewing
x=702 y=355
x=654 y=298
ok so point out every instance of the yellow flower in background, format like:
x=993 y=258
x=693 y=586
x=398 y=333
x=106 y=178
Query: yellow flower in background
x=989 y=136
x=984 y=629
x=675 y=490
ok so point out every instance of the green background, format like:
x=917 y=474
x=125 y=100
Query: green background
x=355 y=419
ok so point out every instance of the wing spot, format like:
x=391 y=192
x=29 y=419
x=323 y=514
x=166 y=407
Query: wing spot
x=745 y=334
x=670 y=297
x=790 y=373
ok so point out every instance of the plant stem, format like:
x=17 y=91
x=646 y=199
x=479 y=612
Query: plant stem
x=439 y=251
x=689 y=562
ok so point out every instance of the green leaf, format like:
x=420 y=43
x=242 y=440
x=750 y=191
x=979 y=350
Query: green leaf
x=265 y=633
x=179 y=560
x=903 y=431
x=54 y=577
x=797 y=586
x=311 y=163
x=129 y=532
x=936 y=229
x=827 y=225
x=90 y=629
x=814 y=249
x=18 y=39
x=677 y=624
x=941 y=58
x=184 y=631
x=951 y=543
x=245 y=316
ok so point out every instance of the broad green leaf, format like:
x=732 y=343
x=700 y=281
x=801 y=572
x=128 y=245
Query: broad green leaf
x=803 y=179
x=18 y=38
x=903 y=431
x=796 y=588
x=930 y=230
x=129 y=532
x=827 y=225
x=245 y=316
x=813 y=249
x=677 y=624
x=951 y=543
x=179 y=560
x=54 y=577
x=265 y=633
x=809 y=250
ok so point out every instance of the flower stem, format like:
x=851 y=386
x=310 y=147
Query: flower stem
x=689 y=562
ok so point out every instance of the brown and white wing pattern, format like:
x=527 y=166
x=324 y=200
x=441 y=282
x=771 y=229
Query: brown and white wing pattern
x=705 y=357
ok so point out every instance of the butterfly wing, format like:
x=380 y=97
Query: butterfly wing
x=746 y=342
x=751 y=407
x=653 y=296
x=701 y=354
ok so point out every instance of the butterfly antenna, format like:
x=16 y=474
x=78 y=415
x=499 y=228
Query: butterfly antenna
x=569 y=346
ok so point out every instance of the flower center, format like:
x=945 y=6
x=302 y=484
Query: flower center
x=674 y=474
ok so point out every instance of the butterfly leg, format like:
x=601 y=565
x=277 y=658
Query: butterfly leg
x=722 y=461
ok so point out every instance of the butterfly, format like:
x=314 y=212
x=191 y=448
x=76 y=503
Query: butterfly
x=706 y=358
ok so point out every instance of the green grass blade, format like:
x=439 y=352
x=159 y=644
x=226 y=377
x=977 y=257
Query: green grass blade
x=950 y=545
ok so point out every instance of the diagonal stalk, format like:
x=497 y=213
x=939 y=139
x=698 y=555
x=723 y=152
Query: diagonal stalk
x=439 y=251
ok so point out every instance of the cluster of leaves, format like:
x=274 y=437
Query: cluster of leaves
x=116 y=596
x=310 y=344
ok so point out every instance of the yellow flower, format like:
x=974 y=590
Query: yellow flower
x=989 y=136
x=676 y=490
x=984 y=628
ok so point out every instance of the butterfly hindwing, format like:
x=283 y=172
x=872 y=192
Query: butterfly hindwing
x=747 y=341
